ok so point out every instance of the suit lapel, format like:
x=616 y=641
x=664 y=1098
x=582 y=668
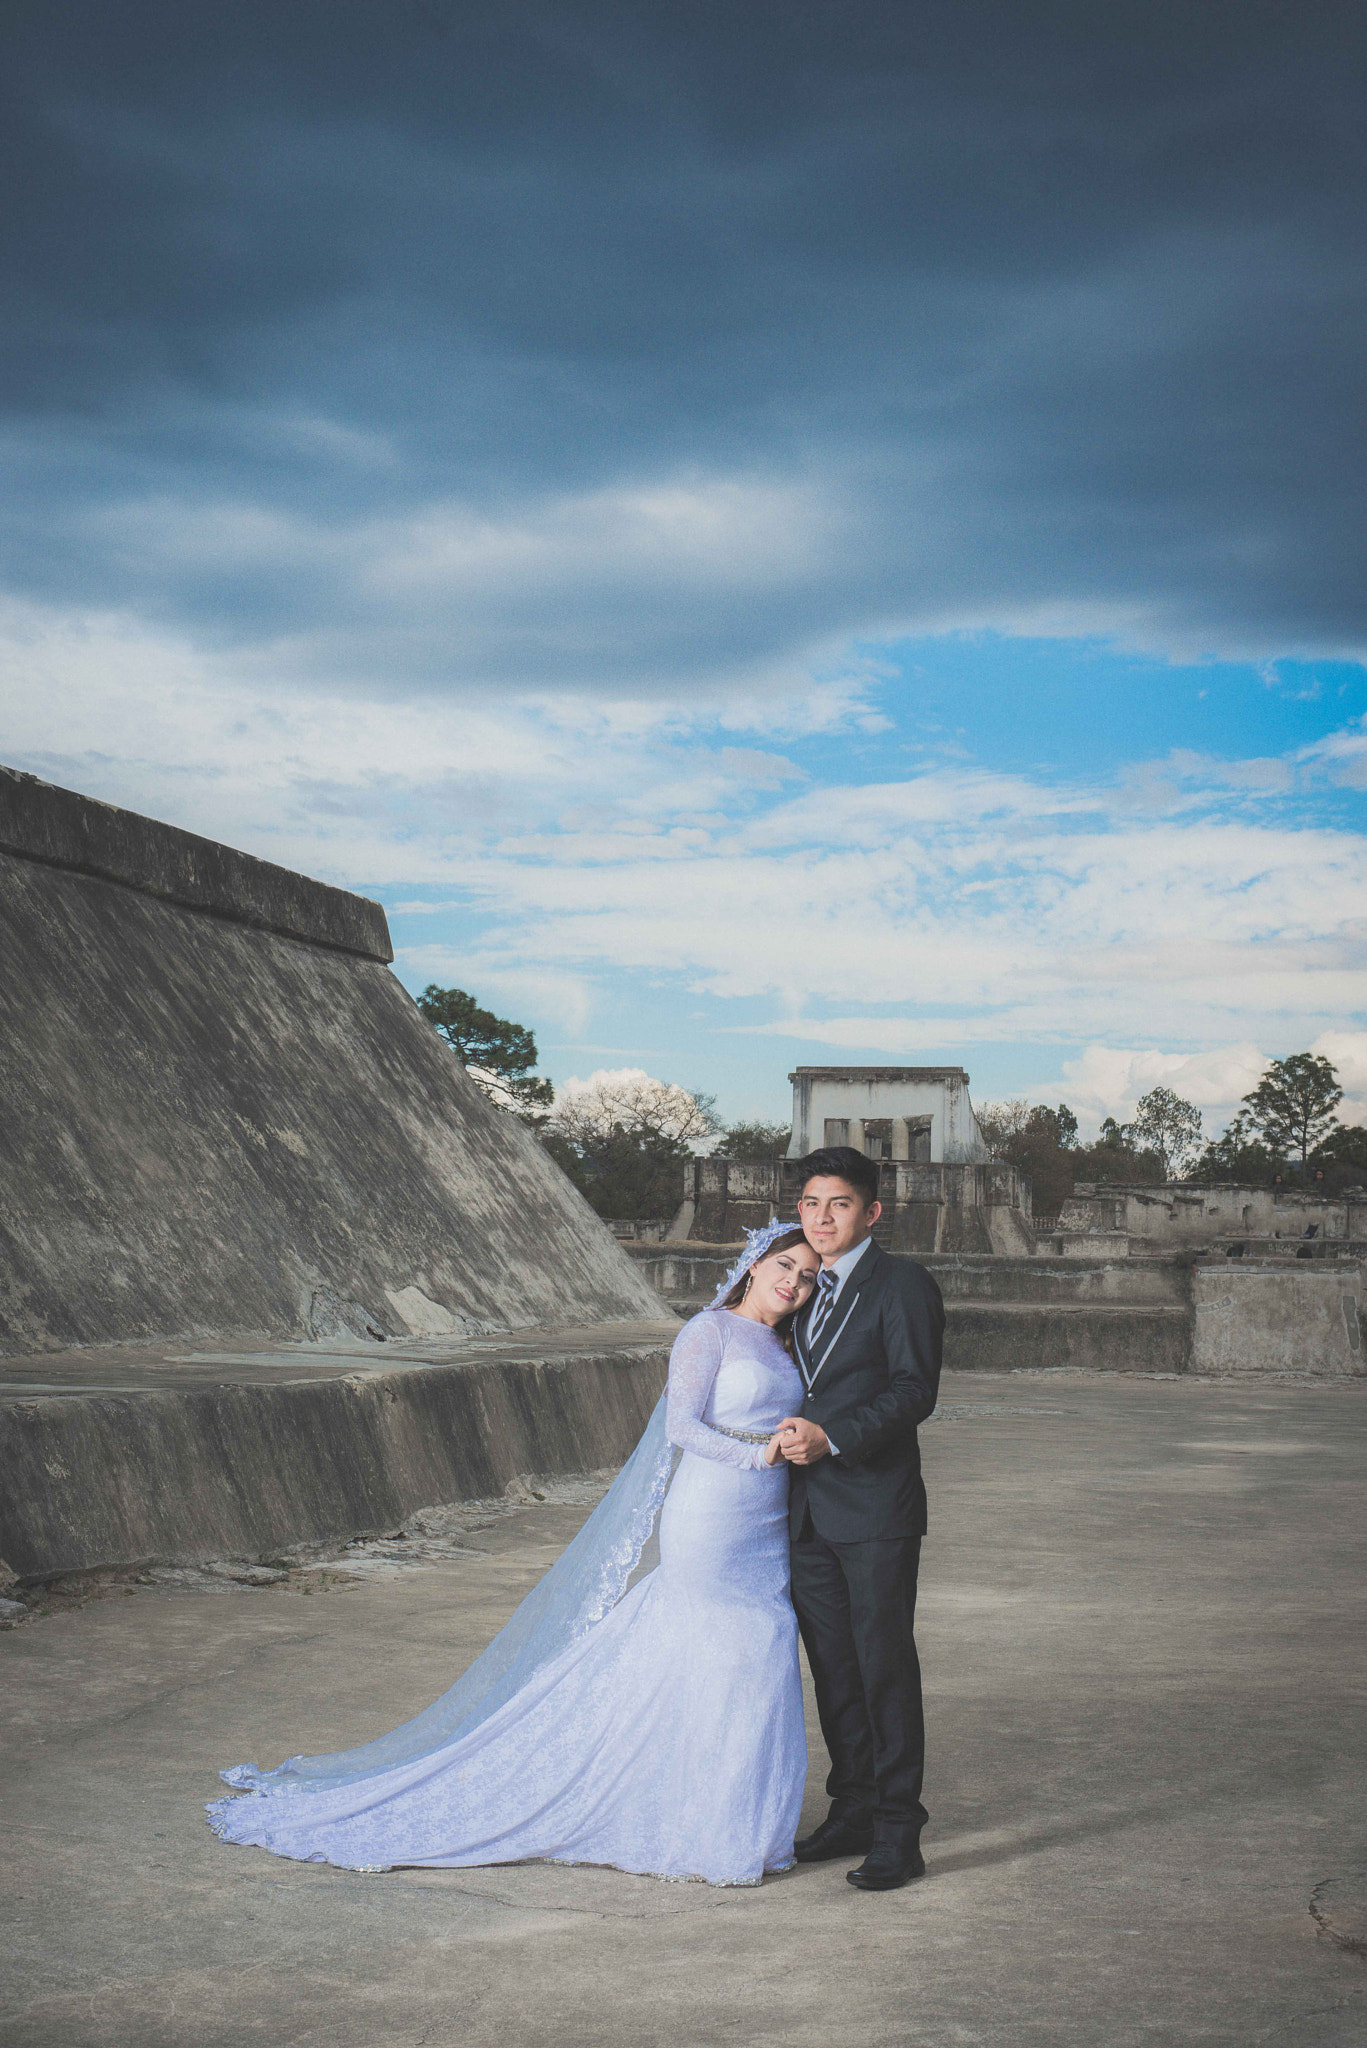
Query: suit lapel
x=812 y=1363
x=829 y=1342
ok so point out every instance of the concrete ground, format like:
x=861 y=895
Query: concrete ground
x=1143 y=1632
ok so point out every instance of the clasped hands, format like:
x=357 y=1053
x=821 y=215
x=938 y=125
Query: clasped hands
x=799 y=1441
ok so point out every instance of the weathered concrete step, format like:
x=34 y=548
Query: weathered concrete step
x=1116 y=1283
x=996 y=1336
x=1240 y=1316
x=262 y=1360
x=694 y=1272
x=256 y=1461
x=1066 y=1308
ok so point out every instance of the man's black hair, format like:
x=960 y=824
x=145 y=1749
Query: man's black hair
x=840 y=1162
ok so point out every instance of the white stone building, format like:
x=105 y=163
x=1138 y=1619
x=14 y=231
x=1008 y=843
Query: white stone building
x=912 y=1113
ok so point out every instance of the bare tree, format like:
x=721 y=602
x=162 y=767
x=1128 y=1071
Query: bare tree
x=624 y=1139
x=632 y=1104
x=1000 y=1122
x=1004 y=1124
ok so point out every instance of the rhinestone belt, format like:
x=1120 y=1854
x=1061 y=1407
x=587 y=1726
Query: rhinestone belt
x=743 y=1436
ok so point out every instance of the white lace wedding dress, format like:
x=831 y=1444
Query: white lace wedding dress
x=666 y=1739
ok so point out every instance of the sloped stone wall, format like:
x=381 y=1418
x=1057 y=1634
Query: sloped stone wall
x=220 y=1111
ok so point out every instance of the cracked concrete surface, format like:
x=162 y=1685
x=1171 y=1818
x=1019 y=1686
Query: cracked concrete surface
x=1143 y=1632
x=1339 y=1906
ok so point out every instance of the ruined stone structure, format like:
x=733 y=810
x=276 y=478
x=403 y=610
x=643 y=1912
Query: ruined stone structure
x=1176 y=1314
x=926 y=1208
x=939 y=1188
x=220 y=1111
x=915 y=1114
x=1182 y=1213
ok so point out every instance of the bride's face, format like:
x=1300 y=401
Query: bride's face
x=782 y=1282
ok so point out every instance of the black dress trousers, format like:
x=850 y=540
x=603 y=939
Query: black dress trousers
x=856 y=1608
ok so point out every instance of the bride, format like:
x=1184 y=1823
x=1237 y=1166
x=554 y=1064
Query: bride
x=655 y=1726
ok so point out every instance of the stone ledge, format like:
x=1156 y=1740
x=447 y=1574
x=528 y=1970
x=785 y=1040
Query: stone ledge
x=60 y=828
x=256 y=1359
x=249 y=1467
x=998 y=1336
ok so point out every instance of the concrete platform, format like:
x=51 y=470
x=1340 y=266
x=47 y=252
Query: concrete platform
x=1174 y=1314
x=1144 y=1626
x=261 y=1360
x=166 y=1453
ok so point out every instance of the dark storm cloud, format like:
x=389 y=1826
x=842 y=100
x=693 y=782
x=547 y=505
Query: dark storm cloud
x=387 y=326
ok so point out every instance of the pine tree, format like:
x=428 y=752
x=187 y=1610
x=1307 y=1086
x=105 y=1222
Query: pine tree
x=496 y=1053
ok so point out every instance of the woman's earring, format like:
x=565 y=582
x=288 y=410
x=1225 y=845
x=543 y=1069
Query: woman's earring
x=749 y=1282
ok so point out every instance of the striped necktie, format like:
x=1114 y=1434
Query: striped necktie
x=827 y=1280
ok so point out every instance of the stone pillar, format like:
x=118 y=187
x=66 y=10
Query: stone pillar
x=801 y=1141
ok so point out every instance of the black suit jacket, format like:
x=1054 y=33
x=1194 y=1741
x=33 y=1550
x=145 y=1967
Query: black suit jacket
x=873 y=1376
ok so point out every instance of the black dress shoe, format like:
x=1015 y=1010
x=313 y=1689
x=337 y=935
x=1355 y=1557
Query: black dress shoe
x=887 y=1867
x=834 y=1838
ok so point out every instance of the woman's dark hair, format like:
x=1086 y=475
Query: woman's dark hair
x=784 y=1326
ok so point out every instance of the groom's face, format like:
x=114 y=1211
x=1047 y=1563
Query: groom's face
x=835 y=1216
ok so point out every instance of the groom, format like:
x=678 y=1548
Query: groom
x=868 y=1348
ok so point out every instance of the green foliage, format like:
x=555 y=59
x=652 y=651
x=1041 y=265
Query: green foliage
x=627 y=1174
x=1342 y=1158
x=1118 y=1158
x=1345 y=1145
x=1044 y=1143
x=566 y=1157
x=1057 y=1127
x=1165 y=1124
x=1290 y=1111
x=1239 y=1155
x=1147 y=1150
x=496 y=1052
x=1293 y=1105
x=1040 y=1142
x=999 y=1123
x=753 y=1142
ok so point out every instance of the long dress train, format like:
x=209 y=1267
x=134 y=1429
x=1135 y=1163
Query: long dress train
x=668 y=1738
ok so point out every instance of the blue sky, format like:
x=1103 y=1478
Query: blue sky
x=990 y=753
x=761 y=535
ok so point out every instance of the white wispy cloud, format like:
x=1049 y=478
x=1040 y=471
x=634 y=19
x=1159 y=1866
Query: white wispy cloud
x=597 y=839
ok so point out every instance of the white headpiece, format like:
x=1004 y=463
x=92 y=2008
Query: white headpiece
x=757 y=1243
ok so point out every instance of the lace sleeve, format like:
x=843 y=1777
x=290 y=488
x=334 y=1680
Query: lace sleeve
x=692 y=1368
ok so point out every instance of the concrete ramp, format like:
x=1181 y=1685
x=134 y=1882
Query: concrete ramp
x=220 y=1112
